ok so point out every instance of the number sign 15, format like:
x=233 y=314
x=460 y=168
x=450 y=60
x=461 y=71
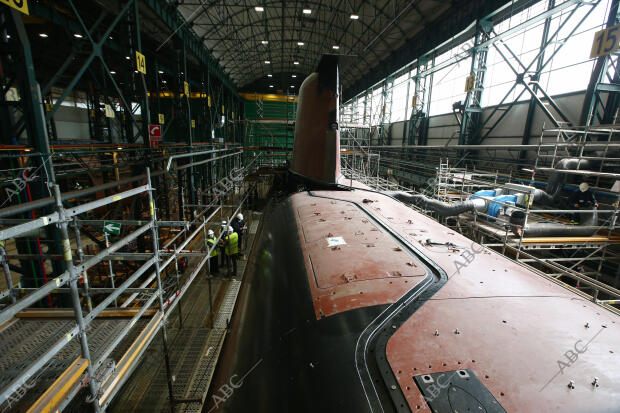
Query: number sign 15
x=605 y=41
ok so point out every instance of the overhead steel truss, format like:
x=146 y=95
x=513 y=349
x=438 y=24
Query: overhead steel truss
x=474 y=128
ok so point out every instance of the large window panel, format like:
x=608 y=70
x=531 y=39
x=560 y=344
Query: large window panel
x=499 y=77
x=449 y=87
x=399 y=98
x=571 y=67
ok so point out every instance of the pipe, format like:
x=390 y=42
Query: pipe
x=442 y=208
x=558 y=178
x=538 y=195
x=587 y=228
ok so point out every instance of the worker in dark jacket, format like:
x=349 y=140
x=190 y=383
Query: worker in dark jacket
x=240 y=227
x=582 y=198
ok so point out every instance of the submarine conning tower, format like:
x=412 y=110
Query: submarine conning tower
x=316 y=147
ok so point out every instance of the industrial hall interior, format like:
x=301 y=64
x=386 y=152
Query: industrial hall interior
x=364 y=206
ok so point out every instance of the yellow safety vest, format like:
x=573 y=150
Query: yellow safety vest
x=210 y=242
x=232 y=244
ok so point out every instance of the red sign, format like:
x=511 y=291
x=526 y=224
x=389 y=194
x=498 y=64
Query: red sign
x=155 y=132
x=154 y=135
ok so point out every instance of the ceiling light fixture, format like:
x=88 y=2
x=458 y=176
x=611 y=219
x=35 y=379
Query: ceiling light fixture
x=270 y=85
x=354 y=17
x=44 y=35
x=127 y=57
x=160 y=71
x=307 y=11
x=265 y=42
x=77 y=35
x=293 y=86
x=295 y=63
x=259 y=8
x=112 y=72
x=269 y=75
x=300 y=43
x=267 y=62
x=335 y=47
x=293 y=75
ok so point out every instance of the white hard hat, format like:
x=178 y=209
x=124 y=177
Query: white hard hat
x=583 y=187
x=211 y=233
x=224 y=223
x=230 y=230
x=240 y=217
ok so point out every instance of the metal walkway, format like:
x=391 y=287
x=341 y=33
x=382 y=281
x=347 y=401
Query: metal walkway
x=195 y=349
x=25 y=339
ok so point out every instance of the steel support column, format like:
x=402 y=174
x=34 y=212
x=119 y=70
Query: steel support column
x=605 y=80
x=472 y=113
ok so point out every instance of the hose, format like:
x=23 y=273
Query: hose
x=558 y=177
x=587 y=228
x=442 y=208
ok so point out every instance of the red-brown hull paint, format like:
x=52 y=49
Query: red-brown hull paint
x=516 y=328
x=316 y=149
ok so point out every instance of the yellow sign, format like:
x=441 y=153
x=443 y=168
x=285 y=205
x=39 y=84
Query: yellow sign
x=209 y=100
x=222 y=109
x=470 y=82
x=49 y=107
x=21 y=5
x=161 y=118
x=141 y=63
x=109 y=113
x=12 y=95
x=193 y=123
x=605 y=41
x=186 y=88
x=414 y=101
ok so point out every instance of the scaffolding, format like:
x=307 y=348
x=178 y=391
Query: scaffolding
x=587 y=264
x=270 y=126
x=107 y=353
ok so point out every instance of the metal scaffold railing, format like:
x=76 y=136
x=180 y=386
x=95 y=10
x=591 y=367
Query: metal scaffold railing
x=586 y=263
x=102 y=363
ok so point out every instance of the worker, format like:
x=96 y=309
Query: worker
x=182 y=265
x=582 y=198
x=240 y=227
x=232 y=250
x=223 y=230
x=213 y=264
